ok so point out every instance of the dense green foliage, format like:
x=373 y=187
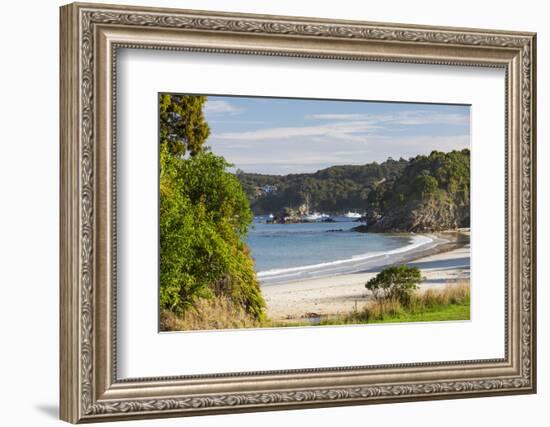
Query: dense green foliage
x=431 y=193
x=442 y=174
x=182 y=127
x=397 y=282
x=204 y=216
x=336 y=189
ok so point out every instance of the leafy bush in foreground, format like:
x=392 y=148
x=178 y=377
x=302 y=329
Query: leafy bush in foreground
x=204 y=217
x=397 y=282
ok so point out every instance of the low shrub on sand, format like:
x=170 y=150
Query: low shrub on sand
x=448 y=303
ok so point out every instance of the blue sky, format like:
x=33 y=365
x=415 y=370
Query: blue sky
x=282 y=135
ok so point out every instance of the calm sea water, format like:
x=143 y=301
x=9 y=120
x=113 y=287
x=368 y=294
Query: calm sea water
x=288 y=252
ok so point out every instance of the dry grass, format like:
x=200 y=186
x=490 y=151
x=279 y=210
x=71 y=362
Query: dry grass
x=216 y=313
x=220 y=313
x=420 y=302
x=458 y=293
x=380 y=309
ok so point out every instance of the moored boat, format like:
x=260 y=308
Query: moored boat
x=352 y=215
x=313 y=217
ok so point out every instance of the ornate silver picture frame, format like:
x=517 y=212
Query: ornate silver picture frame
x=91 y=390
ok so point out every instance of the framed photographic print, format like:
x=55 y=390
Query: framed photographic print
x=265 y=212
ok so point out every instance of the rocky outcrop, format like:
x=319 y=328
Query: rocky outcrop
x=287 y=216
x=431 y=194
x=420 y=217
x=361 y=228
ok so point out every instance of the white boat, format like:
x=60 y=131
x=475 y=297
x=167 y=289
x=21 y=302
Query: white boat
x=313 y=217
x=352 y=215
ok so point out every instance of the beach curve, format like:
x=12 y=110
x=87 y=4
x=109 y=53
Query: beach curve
x=338 y=294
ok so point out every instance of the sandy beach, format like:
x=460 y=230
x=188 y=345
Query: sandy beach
x=344 y=293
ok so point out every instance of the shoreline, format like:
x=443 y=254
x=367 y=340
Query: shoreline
x=332 y=295
x=417 y=247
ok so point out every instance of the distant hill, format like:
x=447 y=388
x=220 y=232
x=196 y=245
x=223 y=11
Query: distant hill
x=334 y=190
x=424 y=193
x=431 y=193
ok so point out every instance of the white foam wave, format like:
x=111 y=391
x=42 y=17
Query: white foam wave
x=416 y=242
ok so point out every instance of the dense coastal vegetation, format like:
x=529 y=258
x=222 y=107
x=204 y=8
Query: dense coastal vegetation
x=333 y=190
x=431 y=194
x=204 y=216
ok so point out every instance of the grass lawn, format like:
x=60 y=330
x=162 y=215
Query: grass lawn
x=449 y=303
x=449 y=312
x=433 y=314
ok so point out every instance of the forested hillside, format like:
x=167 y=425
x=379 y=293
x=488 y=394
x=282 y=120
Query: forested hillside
x=333 y=190
x=432 y=193
x=424 y=193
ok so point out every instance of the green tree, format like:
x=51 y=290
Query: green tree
x=430 y=193
x=204 y=217
x=396 y=282
x=425 y=184
x=183 y=128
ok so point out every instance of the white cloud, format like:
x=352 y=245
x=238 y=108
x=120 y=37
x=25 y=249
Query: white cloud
x=421 y=117
x=337 y=116
x=221 y=107
x=430 y=118
x=353 y=127
x=336 y=130
x=311 y=153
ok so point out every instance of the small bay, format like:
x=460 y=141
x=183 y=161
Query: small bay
x=290 y=252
